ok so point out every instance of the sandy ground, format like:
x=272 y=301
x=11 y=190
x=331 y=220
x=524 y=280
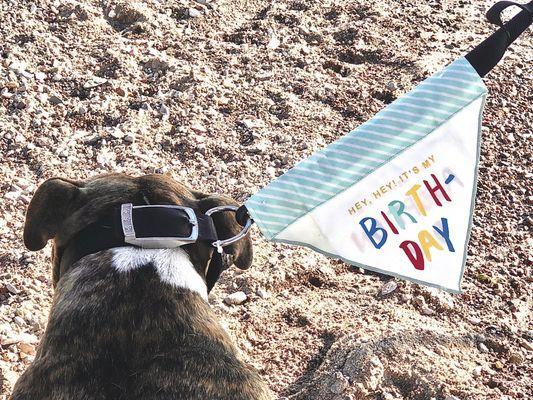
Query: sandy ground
x=227 y=94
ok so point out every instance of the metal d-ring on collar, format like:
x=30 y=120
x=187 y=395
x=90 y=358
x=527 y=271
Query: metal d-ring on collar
x=220 y=244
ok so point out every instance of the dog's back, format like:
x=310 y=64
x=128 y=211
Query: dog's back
x=116 y=334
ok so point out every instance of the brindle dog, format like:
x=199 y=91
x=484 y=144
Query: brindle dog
x=116 y=332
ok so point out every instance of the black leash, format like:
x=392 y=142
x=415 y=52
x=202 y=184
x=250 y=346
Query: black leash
x=489 y=52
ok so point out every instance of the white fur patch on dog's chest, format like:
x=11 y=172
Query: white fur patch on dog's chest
x=172 y=265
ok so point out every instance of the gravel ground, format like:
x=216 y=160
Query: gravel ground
x=226 y=95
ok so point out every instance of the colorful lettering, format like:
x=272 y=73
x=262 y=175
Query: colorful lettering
x=437 y=188
x=416 y=199
x=413 y=252
x=427 y=241
x=372 y=230
x=445 y=233
x=397 y=209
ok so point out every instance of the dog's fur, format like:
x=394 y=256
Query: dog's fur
x=130 y=323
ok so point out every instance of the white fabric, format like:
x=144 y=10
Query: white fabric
x=451 y=149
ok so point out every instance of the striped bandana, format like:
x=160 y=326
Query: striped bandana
x=394 y=195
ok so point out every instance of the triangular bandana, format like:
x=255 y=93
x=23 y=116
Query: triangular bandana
x=396 y=194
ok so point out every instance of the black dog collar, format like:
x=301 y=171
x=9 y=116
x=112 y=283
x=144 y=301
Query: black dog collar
x=164 y=226
x=152 y=226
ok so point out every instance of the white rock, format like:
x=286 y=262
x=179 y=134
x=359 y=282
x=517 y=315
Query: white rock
x=94 y=82
x=117 y=133
x=13 y=196
x=274 y=42
x=194 y=13
x=22 y=182
x=18 y=66
x=12 y=289
x=5 y=328
x=40 y=76
x=227 y=83
x=252 y=123
x=389 y=287
x=236 y=298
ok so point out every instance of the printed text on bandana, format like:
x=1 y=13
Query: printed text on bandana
x=420 y=196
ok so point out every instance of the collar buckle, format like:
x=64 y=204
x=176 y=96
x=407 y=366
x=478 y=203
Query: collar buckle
x=128 y=228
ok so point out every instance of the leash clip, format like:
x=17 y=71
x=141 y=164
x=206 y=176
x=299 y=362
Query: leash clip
x=220 y=244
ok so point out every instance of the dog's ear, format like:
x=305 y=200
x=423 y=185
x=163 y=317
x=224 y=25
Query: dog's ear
x=49 y=207
x=227 y=227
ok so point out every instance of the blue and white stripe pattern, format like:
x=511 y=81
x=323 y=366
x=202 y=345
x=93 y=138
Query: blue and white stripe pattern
x=347 y=160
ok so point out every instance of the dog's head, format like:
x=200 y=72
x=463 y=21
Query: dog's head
x=61 y=208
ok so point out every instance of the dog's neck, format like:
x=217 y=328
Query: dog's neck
x=172 y=265
x=198 y=262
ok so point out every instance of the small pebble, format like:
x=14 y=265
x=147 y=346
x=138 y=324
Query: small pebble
x=129 y=138
x=340 y=383
x=391 y=86
x=55 y=100
x=274 y=42
x=425 y=310
x=117 y=134
x=11 y=289
x=194 y=13
x=164 y=111
x=120 y=91
x=26 y=348
x=40 y=76
x=516 y=358
x=94 y=82
x=236 y=298
x=389 y=287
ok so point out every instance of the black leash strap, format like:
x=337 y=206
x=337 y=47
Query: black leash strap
x=489 y=52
